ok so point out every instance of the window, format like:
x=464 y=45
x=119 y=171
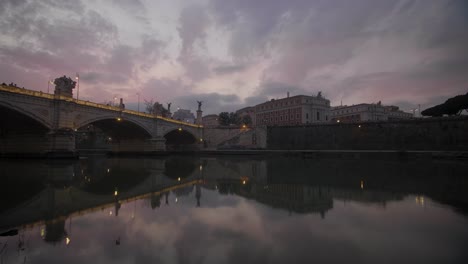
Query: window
x=307 y=115
x=297 y=116
x=318 y=115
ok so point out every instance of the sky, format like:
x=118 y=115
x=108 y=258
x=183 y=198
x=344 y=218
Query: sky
x=232 y=54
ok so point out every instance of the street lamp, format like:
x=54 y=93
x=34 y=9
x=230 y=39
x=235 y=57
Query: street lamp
x=77 y=77
x=138 y=102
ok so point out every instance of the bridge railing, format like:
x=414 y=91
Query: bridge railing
x=41 y=94
x=26 y=92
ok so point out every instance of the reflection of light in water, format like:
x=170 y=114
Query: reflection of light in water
x=420 y=200
x=362 y=184
x=176 y=200
x=67 y=240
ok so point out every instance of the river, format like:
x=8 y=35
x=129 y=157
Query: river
x=185 y=209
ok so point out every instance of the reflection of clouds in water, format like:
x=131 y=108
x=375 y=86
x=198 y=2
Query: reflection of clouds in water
x=232 y=229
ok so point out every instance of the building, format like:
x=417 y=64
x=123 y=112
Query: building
x=247 y=111
x=394 y=113
x=367 y=112
x=210 y=121
x=184 y=115
x=295 y=110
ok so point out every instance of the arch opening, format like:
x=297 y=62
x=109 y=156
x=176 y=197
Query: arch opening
x=103 y=133
x=180 y=139
x=20 y=133
x=12 y=121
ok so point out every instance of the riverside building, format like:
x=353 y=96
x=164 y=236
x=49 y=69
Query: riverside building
x=294 y=110
x=367 y=112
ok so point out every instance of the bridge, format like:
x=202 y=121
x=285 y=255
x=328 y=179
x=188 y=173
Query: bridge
x=35 y=122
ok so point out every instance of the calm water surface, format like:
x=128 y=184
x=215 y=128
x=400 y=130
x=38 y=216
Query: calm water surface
x=233 y=210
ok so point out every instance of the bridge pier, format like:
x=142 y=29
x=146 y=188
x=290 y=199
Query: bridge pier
x=139 y=145
x=61 y=143
x=157 y=144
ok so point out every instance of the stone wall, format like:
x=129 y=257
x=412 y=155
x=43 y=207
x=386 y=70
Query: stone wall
x=422 y=134
x=253 y=138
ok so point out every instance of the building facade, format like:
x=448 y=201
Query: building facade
x=210 y=121
x=367 y=112
x=394 y=113
x=295 y=110
x=184 y=115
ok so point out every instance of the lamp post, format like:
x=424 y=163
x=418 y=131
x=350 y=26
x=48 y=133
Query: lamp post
x=138 y=102
x=78 y=90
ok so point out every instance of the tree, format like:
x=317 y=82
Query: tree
x=453 y=106
x=234 y=119
x=223 y=118
x=149 y=106
x=246 y=120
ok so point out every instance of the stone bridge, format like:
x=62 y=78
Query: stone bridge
x=37 y=123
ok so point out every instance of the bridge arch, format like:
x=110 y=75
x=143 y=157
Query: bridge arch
x=34 y=116
x=180 y=139
x=117 y=120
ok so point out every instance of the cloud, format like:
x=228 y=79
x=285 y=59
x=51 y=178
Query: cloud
x=229 y=69
x=355 y=51
x=194 y=22
x=213 y=103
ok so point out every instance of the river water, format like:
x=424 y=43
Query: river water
x=233 y=210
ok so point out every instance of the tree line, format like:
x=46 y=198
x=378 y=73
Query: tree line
x=226 y=119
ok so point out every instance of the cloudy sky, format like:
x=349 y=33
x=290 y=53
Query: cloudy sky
x=236 y=53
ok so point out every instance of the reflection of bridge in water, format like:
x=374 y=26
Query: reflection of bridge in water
x=295 y=185
x=68 y=189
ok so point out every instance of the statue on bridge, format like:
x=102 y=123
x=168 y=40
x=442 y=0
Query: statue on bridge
x=169 y=107
x=199 y=105
x=64 y=86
